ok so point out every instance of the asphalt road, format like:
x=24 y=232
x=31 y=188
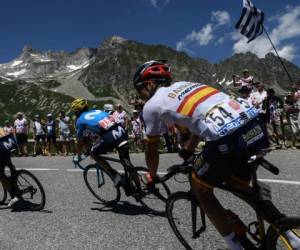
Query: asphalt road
x=73 y=219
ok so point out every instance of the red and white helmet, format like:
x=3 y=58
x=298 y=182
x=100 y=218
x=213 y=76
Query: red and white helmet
x=152 y=70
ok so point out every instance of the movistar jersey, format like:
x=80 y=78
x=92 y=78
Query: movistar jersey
x=202 y=109
x=93 y=121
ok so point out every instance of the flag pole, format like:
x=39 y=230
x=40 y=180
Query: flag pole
x=282 y=64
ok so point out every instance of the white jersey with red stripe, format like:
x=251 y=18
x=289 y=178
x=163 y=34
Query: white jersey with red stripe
x=202 y=109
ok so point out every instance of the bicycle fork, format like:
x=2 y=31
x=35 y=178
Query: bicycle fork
x=194 y=206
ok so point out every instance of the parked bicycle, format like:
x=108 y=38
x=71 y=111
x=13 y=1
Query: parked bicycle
x=283 y=232
x=105 y=184
x=27 y=187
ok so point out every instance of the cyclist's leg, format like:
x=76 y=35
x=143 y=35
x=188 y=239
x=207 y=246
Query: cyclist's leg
x=214 y=169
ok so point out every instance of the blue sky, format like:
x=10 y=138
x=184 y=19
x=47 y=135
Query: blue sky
x=203 y=29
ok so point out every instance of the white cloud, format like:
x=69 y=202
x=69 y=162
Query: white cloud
x=157 y=3
x=288 y=26
x=220 y=40
x=222 y=17
x=206 y=34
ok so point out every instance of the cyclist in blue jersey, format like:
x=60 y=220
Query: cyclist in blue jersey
x=99 y=128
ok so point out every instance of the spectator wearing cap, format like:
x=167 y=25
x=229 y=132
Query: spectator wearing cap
x=64 y=131
x=137 y=130
x=247 y=79
x=121 y=116
x=39 y=136
x=108 y=108
x=8 y=128
x=51 y=134
x=21 y=131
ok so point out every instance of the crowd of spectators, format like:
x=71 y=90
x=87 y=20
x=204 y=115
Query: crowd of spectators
x=43 y=131
x=281 y=113
x=55 y=135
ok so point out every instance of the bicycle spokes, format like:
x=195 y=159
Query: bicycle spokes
x=100 y=177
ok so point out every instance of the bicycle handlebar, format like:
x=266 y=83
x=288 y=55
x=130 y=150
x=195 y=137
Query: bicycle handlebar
x=269 y=166
x=173 y=170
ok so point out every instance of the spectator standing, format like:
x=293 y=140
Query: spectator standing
x=292 y=113
x=108 y=108
x=137 y=130
x=64 y=131
x=39 y=136
x=274 y=113
x=121 y=116
x=51 y=134
x=257 y=98
x=236 y=80
x=8 y=128
x=21 y=131
x=245 y=93
x=247 y=79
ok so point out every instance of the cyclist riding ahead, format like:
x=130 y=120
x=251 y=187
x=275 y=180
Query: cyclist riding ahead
x=100 y=129
x=230 y=127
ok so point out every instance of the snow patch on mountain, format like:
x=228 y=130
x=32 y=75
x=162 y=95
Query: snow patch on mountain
x=17 y=73
x=16 y=63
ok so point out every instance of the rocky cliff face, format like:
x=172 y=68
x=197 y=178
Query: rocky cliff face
x=107 y=71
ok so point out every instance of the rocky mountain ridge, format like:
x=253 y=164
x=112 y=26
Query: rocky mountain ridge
x=105 y=73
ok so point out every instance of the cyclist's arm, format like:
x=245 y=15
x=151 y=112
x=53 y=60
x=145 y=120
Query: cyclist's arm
x=152 y=154
x=192 y=142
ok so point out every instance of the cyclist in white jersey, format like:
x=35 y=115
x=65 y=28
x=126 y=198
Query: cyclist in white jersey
x=230 y=127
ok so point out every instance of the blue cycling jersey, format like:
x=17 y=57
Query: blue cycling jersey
x=90 y=121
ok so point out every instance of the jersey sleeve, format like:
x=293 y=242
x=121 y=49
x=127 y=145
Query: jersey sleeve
x=154 y=126
x=79 y=128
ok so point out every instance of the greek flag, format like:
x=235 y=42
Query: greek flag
x=251 y=21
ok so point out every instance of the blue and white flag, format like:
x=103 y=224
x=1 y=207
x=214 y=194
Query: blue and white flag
x=251 y=21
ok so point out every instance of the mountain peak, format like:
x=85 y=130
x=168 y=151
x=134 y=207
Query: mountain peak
x=113 y=41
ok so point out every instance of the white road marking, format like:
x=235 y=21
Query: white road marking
x=161 y=173
x=40 y=169
x=280 y=181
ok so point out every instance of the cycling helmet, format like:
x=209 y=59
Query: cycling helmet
x=79 y=104
x=152 y=70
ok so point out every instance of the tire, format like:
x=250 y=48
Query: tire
x=107 y=193
x=180 y=208
x=3 y=194
x=31 y=190
x=278 y=241
x=154 y=200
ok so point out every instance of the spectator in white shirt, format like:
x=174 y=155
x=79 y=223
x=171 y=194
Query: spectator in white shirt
x=247 y=79
x=121 y=116
x=64 y=131
x=39 y=136
x=258 y=96
x=21 y=131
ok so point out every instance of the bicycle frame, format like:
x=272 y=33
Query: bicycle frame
x=265 y=210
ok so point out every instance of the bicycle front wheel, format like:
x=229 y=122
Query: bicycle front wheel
x=285 y=238
x=153 y=198
x=31 y=190
x=101 y=184
x=188 y=222
x=3 y=194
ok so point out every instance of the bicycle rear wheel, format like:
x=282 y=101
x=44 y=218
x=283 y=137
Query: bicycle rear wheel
x=101 y=184
x=153 y=198
x=287 y=238
x=3 y=194
x=31 y=190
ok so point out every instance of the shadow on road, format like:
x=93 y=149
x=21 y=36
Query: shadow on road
x=125 y=208
x=26 y=206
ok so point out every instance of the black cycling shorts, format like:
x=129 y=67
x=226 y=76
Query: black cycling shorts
x=40 y=138
x=110 y=141
x=228 y=156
